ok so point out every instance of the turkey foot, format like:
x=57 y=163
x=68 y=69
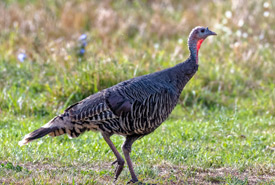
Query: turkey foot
x=119 y=168
x=133 y=181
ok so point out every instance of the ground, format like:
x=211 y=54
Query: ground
x=100 y=173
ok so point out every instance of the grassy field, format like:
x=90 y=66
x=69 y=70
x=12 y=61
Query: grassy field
x=222 y=130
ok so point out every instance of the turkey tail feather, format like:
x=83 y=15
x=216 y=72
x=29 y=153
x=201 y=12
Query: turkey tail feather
x=36 y=134
x=50 y=128
x=57 y=126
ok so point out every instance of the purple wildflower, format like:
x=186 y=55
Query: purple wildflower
x=82 y=51
x=21 y=57
x=82 y=44
x=82 y=37
x=83 y=40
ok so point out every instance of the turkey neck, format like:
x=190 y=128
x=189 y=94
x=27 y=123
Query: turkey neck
x=182 y=73
x=194 y=45
x=186 y=70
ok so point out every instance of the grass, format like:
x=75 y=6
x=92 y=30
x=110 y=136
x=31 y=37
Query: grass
x=222 y=130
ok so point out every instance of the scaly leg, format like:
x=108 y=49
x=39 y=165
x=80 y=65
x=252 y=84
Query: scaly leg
x=120 y=161
x=126 y=148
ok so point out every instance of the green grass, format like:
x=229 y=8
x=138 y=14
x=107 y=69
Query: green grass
x=222 y=130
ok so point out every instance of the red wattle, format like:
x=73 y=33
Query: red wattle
x=198 y=48
x=199 y=44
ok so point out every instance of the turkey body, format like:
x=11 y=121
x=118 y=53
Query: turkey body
x=133 y=107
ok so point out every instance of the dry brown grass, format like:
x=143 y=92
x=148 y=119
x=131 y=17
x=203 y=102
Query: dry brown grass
x=50 y=26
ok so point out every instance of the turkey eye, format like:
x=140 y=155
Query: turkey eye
x=202 y=30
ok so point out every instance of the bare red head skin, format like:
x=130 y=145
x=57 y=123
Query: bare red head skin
x=195 y=40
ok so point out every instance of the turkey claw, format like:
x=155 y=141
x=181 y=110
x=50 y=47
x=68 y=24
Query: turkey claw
x=113 y=163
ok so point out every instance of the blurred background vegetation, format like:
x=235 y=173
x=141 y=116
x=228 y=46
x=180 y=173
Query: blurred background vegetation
x=132 y=38
x=54 y=53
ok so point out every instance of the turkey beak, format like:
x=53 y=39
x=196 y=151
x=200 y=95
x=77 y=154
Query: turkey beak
x=210 y=32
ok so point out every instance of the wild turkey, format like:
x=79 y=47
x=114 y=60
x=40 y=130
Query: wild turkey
x=133 y=108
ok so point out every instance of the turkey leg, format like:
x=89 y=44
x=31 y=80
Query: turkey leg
x=126 y=148
x=120 y=161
